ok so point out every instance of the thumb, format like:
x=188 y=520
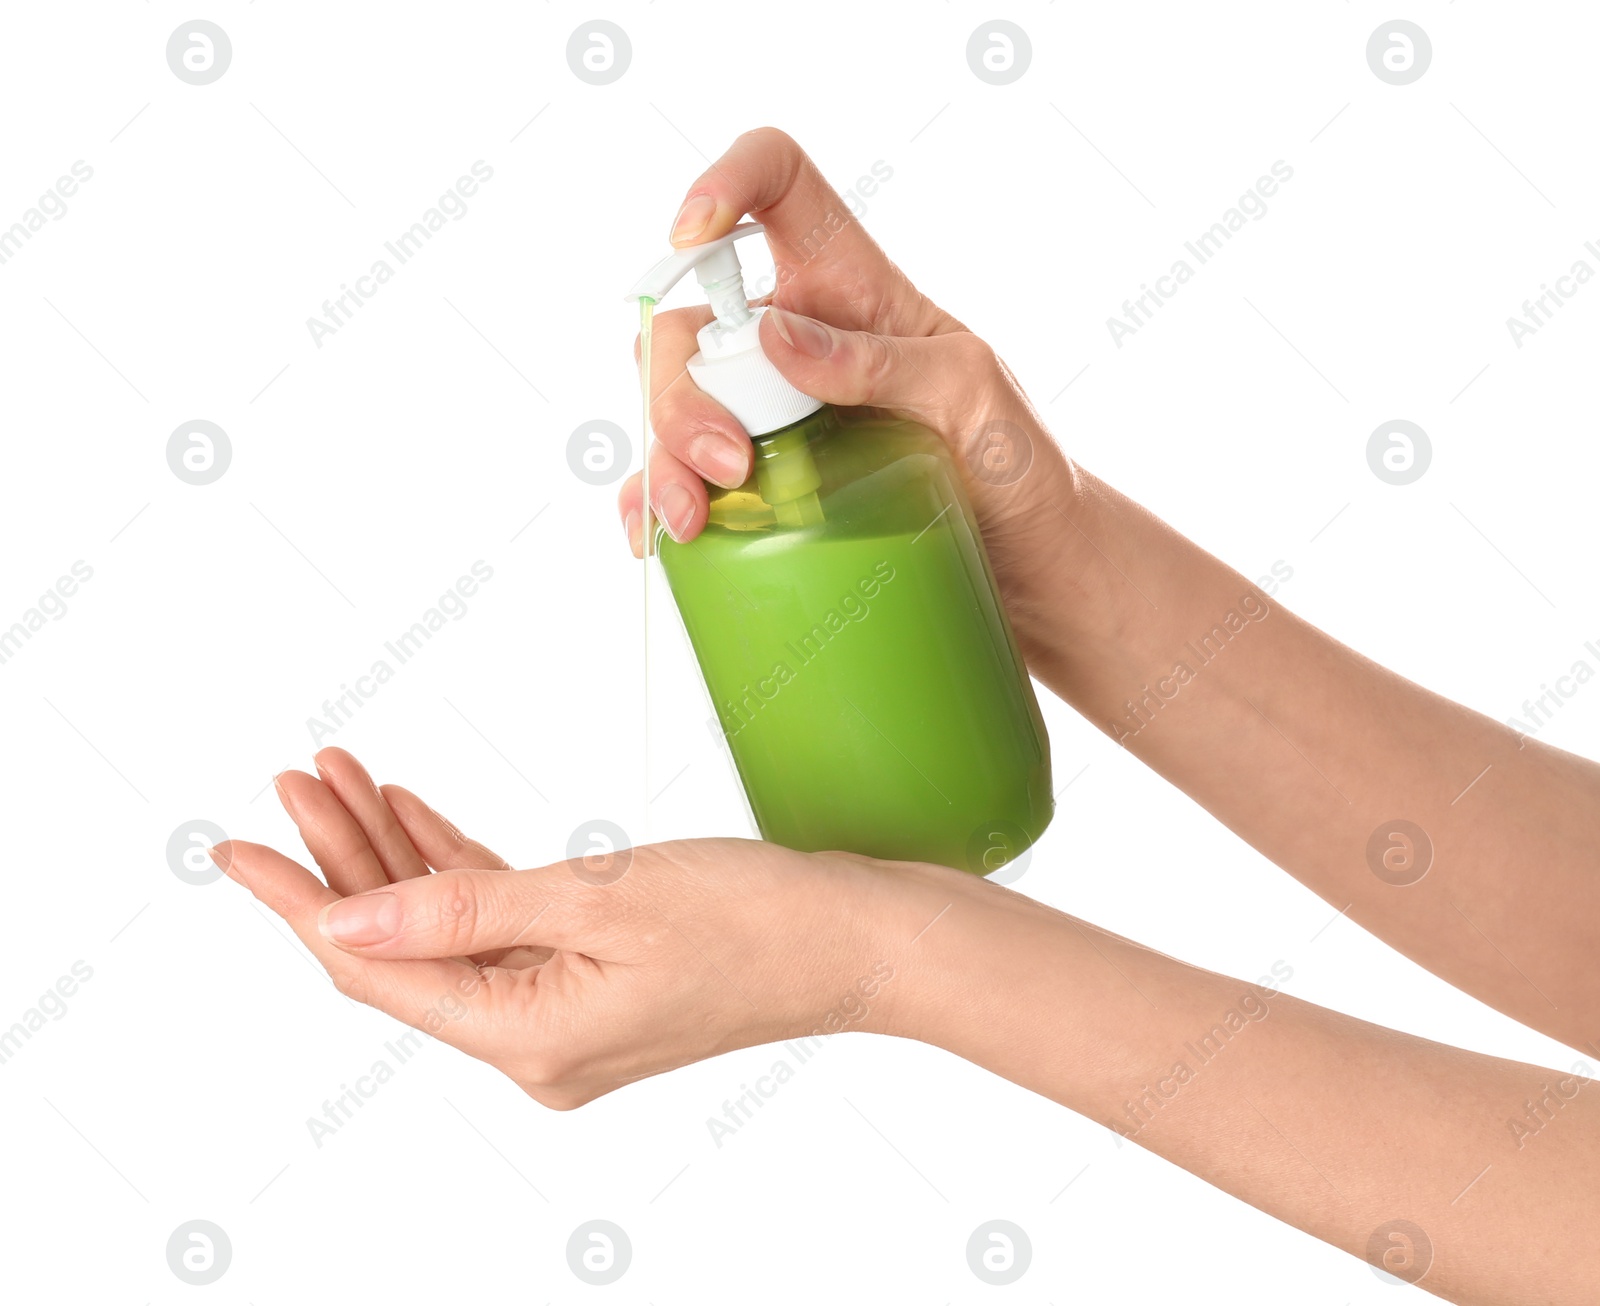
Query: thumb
x=934 y=379
x=460 y=912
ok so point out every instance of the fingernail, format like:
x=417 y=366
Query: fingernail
x=631 y=529
x=717 y=459
x=675 y=507
x=692 y=219
x=366 y=918
x=806 y=334
x=222 y=858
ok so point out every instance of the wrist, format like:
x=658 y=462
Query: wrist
x=1097 y=605
x=943 y=938
x=1058 y=557
x=1008 y=984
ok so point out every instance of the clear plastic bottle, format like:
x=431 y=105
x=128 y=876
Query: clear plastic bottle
x=845 y=617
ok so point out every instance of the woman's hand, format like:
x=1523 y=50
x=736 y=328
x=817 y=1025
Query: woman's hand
x=849 y=328
x=577 y=978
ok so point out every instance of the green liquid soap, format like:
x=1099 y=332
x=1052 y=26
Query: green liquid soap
x=646 y=538
x=646 y=313
x=844 y=615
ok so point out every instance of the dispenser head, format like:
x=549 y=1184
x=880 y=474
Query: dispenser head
x=716 y=267
x=731 y=366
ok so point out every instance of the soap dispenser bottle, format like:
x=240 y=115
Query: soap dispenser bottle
x=845 y=618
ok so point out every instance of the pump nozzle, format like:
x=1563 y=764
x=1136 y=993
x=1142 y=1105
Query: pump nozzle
x=716 y=267
x=730 y=366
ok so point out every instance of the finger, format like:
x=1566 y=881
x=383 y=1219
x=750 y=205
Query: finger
x=699 y=431
x=441 y=844
x=335 y=840
x=678 y=495
x=433 y=995
x=766 y=174
x=461 y=912
x=354 y=788
x=944 y=381
x=445 y=848
x=629 y=499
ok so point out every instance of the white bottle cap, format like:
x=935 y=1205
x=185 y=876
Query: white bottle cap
x=733 y=369
x=731 y=366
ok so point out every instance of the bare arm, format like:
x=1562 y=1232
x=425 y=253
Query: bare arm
x=1472 y=1176
x=1466 y=846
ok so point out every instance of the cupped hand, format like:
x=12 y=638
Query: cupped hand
x=849 y=328
x=579 y=977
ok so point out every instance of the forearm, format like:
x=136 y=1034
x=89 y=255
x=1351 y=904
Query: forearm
x=1328 y=1123
x=1311 y=752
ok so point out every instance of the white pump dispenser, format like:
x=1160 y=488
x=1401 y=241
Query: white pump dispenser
x=731 y=366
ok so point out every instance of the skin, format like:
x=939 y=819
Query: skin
x=577 y=978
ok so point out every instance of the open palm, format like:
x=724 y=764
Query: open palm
x=578 y=977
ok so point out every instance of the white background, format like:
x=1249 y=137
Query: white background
x=368 y=474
